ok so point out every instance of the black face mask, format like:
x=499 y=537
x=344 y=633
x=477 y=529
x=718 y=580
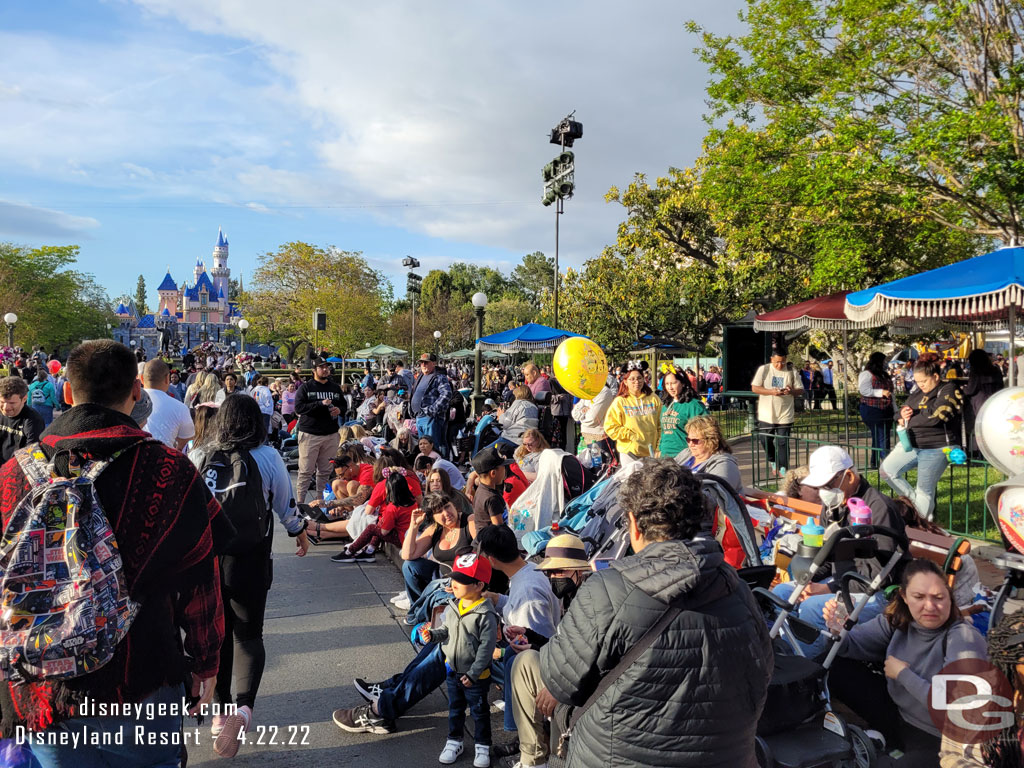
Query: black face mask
x=564 y=587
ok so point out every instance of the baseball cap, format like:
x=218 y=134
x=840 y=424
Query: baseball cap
x=488 y=459
x=490 y=402
x=428 y=358
x=564 y=551
x=470 y=568
x=321 y=363
x=825 y=463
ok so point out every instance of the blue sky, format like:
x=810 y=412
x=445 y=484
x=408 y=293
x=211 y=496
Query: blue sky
x=136 y=128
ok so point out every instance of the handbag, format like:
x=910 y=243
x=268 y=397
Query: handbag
x=565 y=717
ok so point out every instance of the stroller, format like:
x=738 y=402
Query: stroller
x=798 y=728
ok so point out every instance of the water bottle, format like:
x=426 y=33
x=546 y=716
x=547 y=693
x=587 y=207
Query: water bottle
x=860 y=512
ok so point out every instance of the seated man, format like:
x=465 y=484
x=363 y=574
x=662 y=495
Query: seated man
x=832 y=473
x=530 y=612
x=565 y=564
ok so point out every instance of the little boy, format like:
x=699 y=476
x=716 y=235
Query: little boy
x=467 y=638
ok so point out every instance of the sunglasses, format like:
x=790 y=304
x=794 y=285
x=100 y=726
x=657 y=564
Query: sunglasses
x=694 y=441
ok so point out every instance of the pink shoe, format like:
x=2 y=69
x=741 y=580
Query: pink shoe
x=235 y=725
x=217 y=724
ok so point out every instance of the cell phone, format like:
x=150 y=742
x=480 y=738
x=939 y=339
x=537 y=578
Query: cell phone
x=600 y=563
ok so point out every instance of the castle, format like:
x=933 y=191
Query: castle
x=187 y=314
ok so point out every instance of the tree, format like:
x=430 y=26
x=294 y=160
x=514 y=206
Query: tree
x=298 y=278
x=468 y=279
x=234 y=289
x=140 y=297
x=917 y=105
x=534 y=276
x=57 y=307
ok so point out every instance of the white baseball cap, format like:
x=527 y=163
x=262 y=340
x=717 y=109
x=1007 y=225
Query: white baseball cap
x=825 y=463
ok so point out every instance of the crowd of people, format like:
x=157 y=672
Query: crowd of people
x=190 y=466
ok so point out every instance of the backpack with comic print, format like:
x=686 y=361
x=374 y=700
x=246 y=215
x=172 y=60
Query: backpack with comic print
x=64 y=603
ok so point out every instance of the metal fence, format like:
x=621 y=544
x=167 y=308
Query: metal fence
x=959 y=499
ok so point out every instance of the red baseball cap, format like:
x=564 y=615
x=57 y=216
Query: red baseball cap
x=470 y=568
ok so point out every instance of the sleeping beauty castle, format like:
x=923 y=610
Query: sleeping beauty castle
x=188 y=313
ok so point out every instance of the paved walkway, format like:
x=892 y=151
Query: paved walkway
x=327 y=624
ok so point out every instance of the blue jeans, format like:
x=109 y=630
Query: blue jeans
x=434 y=428
x=403 y=691
x=501 y=674
x=930 y=463
x=810 y=610
x=433 y=595
x=418 y=574
x=127 y=755
x=879 y=423
x=46 y=411
x=459 y=696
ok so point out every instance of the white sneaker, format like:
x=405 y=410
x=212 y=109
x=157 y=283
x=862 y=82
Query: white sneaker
x=400 y=596
x=499 y=705
x=520 y=764
x=403 y=603
x=450 y=753
x=482 y=758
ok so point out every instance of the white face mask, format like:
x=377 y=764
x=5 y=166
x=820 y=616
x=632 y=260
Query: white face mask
x=831 y=498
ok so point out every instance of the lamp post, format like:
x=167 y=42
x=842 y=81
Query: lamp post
x=243 y=326
x=437 y=342
x=479 y=305
x=11 y=319
x=202 y=331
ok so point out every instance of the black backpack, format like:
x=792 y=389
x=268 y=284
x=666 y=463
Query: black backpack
x=234 y=479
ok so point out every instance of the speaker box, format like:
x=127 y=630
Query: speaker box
x=320 y=321
x=744 y=350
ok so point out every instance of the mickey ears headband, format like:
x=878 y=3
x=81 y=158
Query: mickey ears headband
x=637 y=365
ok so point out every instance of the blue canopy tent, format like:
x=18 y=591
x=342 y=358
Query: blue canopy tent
x=531 y=337
x=983 y=293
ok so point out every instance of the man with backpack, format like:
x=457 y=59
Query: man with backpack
x=147 y=529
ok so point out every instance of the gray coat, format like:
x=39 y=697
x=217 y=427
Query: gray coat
x=721 y=465
x=468 y=641
x=694 y=697
x=520 y=416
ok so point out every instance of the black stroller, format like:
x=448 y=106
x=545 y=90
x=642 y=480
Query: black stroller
x=798 y=728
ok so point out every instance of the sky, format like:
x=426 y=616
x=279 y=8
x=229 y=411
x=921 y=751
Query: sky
x=136 y=128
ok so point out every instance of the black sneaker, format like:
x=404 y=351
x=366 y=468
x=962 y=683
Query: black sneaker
x=365 y=557
x=369 y=691
x=362 y=720
x=343 y=557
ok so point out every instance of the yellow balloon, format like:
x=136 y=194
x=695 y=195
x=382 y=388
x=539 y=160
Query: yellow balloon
x=580 y=366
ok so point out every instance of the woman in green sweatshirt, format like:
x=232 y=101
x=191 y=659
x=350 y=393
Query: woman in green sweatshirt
x=682 y=405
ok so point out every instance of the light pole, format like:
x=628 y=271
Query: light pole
x=437 y=342
x=202 y=331
x=11 y=319
x=243 y=326
x=560 y=178
x=479 y=305
x=412 y=290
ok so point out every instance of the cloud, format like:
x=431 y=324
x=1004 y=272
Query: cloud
x=19 y=220
x=429 y=116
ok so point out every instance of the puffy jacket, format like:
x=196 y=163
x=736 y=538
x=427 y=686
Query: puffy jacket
x=520 y=416
x=467 y=639
x=694 y=697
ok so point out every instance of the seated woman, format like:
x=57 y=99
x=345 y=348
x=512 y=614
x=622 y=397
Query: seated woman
x=519 y=417
x=437 y=533
x=919 y=634
x=709 y=452
x=523 y=471
x=392 y=522
x=403 y=442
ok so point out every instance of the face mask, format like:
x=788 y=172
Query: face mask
x=564 y=587
x=831 y=498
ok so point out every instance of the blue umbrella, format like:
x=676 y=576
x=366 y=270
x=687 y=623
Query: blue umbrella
x=983 y=292
x=335 y=360
x=529 y=337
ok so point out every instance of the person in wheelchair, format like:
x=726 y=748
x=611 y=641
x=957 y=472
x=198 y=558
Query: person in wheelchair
x=832 y=473
x=918 y=635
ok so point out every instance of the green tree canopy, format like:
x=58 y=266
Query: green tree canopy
x=297 y=278
x=534 y=277
x=57 y=306
x=914 y=107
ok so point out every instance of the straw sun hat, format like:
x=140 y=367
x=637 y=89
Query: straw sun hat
x=564 y=551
